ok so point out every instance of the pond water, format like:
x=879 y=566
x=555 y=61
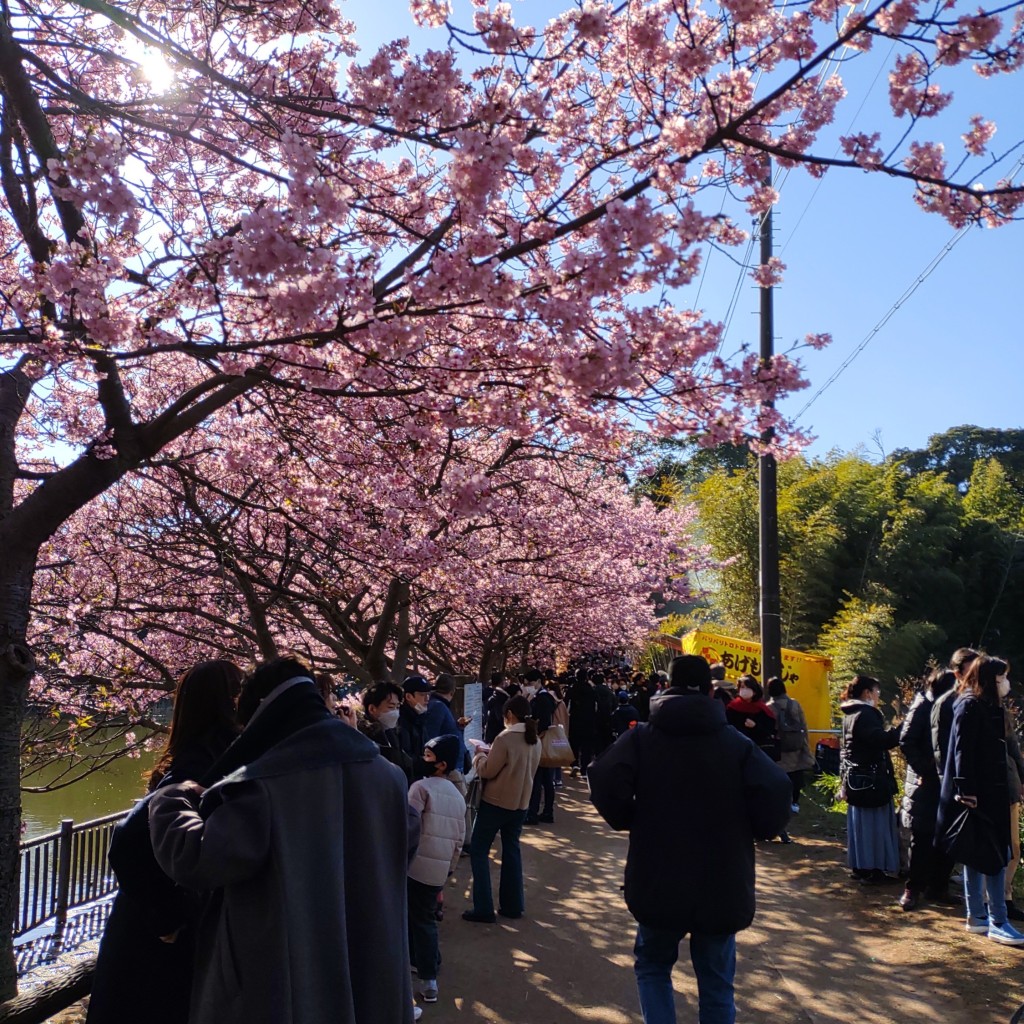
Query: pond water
x=103 y=792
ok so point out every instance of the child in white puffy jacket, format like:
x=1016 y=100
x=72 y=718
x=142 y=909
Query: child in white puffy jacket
x=442 y=811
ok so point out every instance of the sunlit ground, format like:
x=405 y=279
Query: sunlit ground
x=822 y=949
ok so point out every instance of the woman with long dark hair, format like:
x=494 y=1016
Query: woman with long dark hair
x=975 y=798
x=928 y=876
x=144 y=967
x=507 y=771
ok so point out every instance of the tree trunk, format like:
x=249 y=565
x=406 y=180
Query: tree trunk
x=486 y=660
x=17 y=667
x=404 y=646
x=48 y=999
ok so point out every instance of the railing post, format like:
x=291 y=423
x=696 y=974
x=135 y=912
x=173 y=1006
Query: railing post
x=67 y=828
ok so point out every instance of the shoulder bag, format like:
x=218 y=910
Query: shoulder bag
x=867 y=785
x=555 y=751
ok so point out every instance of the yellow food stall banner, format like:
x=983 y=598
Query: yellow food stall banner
x=805 y=675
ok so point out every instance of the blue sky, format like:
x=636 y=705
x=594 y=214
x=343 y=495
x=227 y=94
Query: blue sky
x=938 y=361
x=853 y=244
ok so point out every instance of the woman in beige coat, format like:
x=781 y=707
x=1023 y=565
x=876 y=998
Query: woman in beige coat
x=507 y=771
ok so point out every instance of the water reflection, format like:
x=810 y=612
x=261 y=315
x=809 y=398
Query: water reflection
x=111 y=788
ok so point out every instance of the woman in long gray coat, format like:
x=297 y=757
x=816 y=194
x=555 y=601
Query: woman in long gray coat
x=795 y=756
x=304 y=844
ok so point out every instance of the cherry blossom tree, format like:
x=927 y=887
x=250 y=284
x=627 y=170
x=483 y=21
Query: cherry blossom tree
x=360 y=550
x=207 y=207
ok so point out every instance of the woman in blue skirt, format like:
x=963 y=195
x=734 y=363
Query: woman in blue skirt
x=869 y=784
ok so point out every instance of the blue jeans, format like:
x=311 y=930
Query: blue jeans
x=490 y=821
x=714 y=965
x=975 y=884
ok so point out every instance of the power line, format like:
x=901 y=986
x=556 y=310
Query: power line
x=921 y=278
x=817 y=185
x=829 y=70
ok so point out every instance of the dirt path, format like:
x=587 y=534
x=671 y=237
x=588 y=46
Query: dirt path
x=823 y=950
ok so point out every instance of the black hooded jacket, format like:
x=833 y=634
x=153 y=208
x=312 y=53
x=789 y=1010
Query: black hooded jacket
x=694 y=795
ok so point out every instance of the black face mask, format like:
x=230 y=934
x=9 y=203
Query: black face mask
x=424 y=768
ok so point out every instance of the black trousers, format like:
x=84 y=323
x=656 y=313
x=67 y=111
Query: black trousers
x=583 y=747
x=929 y=867
x=796 y=780
x=543 y=782
x=424 y=950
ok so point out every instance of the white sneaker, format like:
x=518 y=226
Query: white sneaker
x=427 y=991
x=794 y=808
x=417 y=1012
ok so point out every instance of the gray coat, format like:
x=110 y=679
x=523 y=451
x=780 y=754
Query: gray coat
x=307 y=847
x=1014 y=760
x=789 y=716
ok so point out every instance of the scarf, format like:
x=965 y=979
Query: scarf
x=749 y=707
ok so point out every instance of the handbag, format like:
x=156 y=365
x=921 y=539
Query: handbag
x=971 y=839
x=867 y=785
x=555 y=751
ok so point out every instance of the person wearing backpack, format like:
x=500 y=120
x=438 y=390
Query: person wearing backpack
x=795 y=757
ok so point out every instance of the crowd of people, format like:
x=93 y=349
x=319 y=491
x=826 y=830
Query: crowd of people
x=961 y=796
x=257 y=878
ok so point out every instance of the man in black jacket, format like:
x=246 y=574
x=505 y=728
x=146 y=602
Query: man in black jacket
x=694 y=795
x=606 y=704
x=929 y=866
x=412 y=721
x=542 y=708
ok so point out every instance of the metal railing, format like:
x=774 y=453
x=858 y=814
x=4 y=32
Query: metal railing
x=64 y=869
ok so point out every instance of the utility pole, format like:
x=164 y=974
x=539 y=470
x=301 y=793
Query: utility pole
x=768 y=518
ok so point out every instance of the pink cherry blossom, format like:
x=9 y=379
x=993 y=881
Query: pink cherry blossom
x=348 y=348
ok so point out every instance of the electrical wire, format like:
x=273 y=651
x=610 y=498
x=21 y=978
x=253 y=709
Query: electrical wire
x=829 y=69
x=817 y=185
x=921 y=278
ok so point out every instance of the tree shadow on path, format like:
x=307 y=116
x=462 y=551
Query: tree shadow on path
x=822 y=949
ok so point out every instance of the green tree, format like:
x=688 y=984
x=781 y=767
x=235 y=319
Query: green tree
x=865 y=638
x=881 y=567
x=992 y=497
x=954 y=453
x=727 y=504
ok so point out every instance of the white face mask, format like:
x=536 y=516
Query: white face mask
x=420 y=709
x=746 y=693
x=1002 y=686
x=388 y=719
